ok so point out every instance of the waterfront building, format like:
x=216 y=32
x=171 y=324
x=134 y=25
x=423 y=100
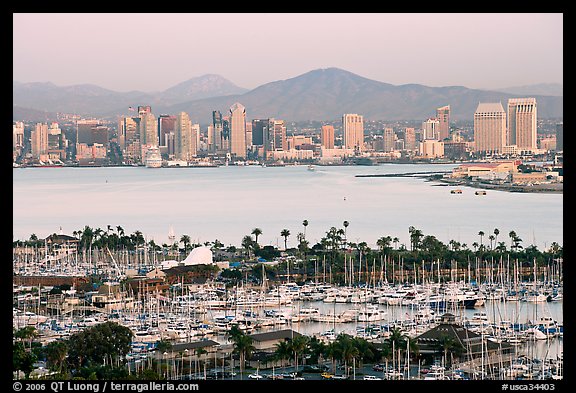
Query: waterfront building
x=129 y=139
x=327 y=137
x=17 y=139
x=431 y=149
x=476 y=169
x=353 y=132
x=184 y=139
x=148 y=129
x=443 y=116
x=474 y=346
x=219 y=138
x=39 y=140
x=238 y=130
x=57 y=142
x=522 y=126
x=489 y=127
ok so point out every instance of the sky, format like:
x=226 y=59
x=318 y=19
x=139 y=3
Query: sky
x=151 y=52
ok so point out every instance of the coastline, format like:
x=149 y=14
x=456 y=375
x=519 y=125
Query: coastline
x=552 y=188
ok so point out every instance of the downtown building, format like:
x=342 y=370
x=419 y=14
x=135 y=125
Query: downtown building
x=489 y=128
x=185 y=138
x=522 y=126
x=443 y=117
x=327 y=137
x=237 y=124
x=353 y=132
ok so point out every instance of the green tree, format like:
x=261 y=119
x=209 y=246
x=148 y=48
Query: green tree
x=106 y=342
x=256 y=232
x=305 y=224
x=285 y=233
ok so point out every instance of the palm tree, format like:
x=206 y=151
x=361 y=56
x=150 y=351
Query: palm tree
x=185 y=239
x=285 y=233
x=491 y=238
x=496 y=233
x=447 y=344
x=332 y=351
x=256 y=232
x=27 y=333
x=56 y=353
x=345 y=223
x=348 y=350
x=481 y=234
x=247 y=244
x=395 y=241
x=512 y=235
x=298 y=345
x=305 y=223
x=282 y=351
x=243 y=345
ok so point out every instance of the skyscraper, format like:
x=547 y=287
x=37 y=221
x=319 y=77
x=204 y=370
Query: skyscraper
x=327 y=137
x=443 y=116
x=560 y=136
x=276 y=135
x=238 y=130
x=489 y=128
x=353 y=131
x=409 y=138
x=148 y=129
x=166 y=125
x=389 y=138
x=430 y=129
x=522 y=113
x=39 y=140
x=183 y=137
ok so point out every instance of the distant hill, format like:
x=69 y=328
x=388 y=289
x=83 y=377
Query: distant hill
x=543 y=89
x=204 y=86
x=325 y=94
x=322 y=94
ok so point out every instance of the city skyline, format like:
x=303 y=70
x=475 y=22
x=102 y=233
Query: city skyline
x=309 y=46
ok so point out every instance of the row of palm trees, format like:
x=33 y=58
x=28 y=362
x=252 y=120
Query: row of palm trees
x=346 y=350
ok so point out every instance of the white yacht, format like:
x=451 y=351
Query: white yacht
x=153 y=158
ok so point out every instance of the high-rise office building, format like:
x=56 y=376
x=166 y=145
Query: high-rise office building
x=489 y=127
x=248 y=134
x=276 y=135
x=183 y=138
x=39 y=140
x=560 y=136
x=410 y=138
x=522 y=114
x=388 y=139
x=327 y=137
x=443 y=116
x=84 y=131
x=17 y=138
x=238 y=130
x=259 y=132
x=148 y=129
x=430 y=129
x=166 y=125
x=353 y=131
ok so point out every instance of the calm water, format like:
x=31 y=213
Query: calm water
x=226 y=203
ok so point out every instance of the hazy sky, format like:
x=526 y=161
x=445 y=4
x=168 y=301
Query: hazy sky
x=151 y=52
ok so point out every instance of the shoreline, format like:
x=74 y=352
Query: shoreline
x=556 y=188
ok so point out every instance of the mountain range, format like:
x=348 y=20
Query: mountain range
x=322 y=94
